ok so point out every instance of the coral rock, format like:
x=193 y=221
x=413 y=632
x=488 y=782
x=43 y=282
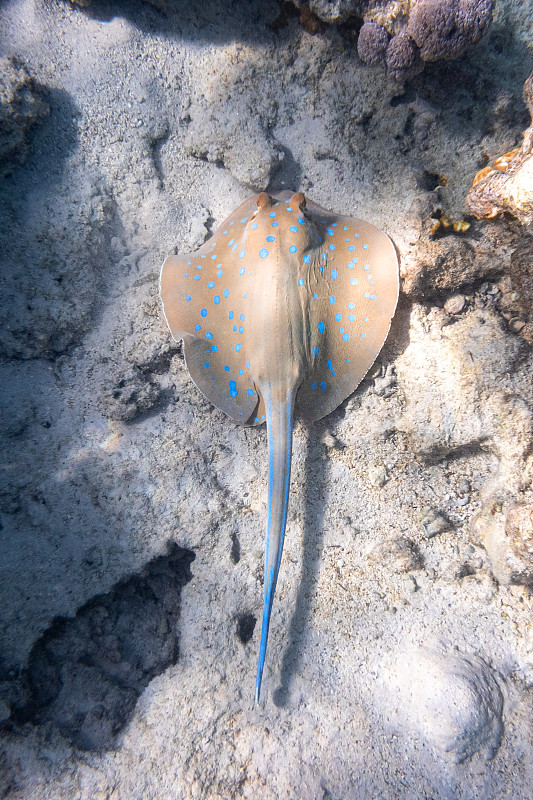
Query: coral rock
x=444 y=29
x=21 y=107
x=509 y=543
x=372 y=43
x=403 y=58
x=508 y=184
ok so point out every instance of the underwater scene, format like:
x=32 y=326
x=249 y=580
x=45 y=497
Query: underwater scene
x=266 y=404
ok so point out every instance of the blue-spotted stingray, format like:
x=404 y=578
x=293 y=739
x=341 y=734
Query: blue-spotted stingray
x=281 y=312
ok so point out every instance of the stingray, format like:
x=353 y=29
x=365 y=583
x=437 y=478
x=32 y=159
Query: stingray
x=281 y=313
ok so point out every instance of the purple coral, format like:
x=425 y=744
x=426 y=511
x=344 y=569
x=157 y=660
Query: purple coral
x=372 y=43
x=446 y=28
x=403 y=58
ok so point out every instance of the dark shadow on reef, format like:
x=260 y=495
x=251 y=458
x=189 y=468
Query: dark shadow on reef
x=85 y=673
x=315 y=504
x=213 y=21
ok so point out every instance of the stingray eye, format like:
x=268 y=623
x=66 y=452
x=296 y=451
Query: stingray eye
x=263 y=200
x=298 y=199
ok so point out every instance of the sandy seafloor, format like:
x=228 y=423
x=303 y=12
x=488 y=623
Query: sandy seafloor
x=133 y=512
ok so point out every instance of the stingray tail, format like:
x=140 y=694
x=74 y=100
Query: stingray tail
x=279 y=430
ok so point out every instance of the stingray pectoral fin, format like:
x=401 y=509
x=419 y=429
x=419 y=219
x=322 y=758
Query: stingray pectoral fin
x=279 y=416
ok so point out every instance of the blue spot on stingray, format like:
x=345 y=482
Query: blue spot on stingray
x=271 y=238
x=186 y=274
x=188 y=297
x=251 y=392
x=293 y=229
x=272 y=214
x=216 y=299
x=293 y=248
x=346 y=240
x=346 y=338
x=231 y=241
x=316 y=351
x=232 y=222
x=289 y=208
x=235 y=246
x=235 y=329
x=351 y=248
x=331 y=299
x=254 y=226
x=351 y=306
x=366 y=267
x=333 y=224
x=263 y=252
x=351 y=318
x=356 y=236
x=301 y=221
x=365 y=319
x=242 y=317
x=345 y=228
x=196 y=277
x=332 y=247
x=225 y=233
x=215 y=348
x=197 y=328
x=238 y=347
x=211 y=285
x=203 y=312
x=323 y=385
x=315 y=296
x=301 y=282
x=241 y=372
x=328 y=230
x=242 y=271
x=306 y=260
x=248 y=365
x=347 y=360
x=242 y=253
x=208 y=335
x=354 y=282
x=363 y=336
x=262 y=416
x=365 y=247
x=324 y=256
x=321 y=326
x=231 y=315
x=244 y=219
x=233 y=388
x=206 y=364
x=219 y=273
x=329 y=365
x=241 y=329
x=367 y=295
x=213 y=257
x=275 y=224
x=333 y=273
x=320 y=240
x=226 y=293
x=338 y=316
x=350 y=265
x=313 y=385
x=226 y=369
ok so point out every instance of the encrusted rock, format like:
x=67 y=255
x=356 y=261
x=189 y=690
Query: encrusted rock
x=516 y=302
x=399 y=555
x=454 y=701
x=509 y=543
x=22 y=106
x=455 y=304
x=508 y=184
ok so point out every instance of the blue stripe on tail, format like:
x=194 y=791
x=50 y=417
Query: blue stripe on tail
x=279 y=462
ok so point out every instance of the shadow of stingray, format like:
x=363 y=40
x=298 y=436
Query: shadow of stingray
x=86 y=673
x=315 y=470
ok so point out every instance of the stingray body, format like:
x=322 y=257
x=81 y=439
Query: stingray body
x=281 y=312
